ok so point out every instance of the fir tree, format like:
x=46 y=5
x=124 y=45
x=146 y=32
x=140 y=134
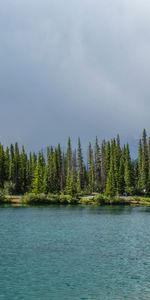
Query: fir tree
x=70 y=175
x=128 y=171
x=97 y=166
x=2 y=166
x=110 y=183
x=91 y=171
x=37 y=183
x=105 y=164
x=80 y=169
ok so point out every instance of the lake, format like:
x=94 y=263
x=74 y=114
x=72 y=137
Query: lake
x=74 y=253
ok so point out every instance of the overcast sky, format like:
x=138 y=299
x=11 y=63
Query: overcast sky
x=73 y=67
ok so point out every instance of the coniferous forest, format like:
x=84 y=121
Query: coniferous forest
x=108 y=168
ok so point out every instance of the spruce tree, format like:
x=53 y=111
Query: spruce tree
x=2 y=166
x=143 y=164
x=110 y=183
x=7 y=164
x=17 y=171
x=80 y=169
x=91 y=171
x=128 y=171
x=23 y=171
x=105 y=164
x=70 y=175
x=50 y=172
x=37 y=183
x=97 y=166
x=121 y=181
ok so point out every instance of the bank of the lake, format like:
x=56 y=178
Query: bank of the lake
x=61 y=199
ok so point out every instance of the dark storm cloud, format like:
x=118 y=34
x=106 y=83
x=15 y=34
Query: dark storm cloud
x=78 y=68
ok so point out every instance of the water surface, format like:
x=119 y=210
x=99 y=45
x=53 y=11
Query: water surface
x=74 y=253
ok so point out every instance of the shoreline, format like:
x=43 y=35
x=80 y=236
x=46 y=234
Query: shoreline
x=97 y=200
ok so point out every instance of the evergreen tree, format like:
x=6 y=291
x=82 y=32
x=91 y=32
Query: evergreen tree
x=17 y=169
x=12 y=168
x=7 y=164
x=121 y=181
x=110 y=183
x=45 y=181
x=80 y=169
x=143 y=164
x=50 y=168
x=105 y=164
x=70 y=174
x=140 y=167
x=2 y=166
x=37 y=183
x=97 y=166
x=118 y=165
x=32 y=162
x=60 y=169
x=128 y=171
x=23 y=171
x=91 y=171
x=55 y=172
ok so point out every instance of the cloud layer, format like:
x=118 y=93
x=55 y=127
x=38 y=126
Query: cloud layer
x=71 y=67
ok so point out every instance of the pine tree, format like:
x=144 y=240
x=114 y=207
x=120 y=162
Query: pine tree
x=91 y=171
x=118 y=165
x=110 y=183
x=2 y=166
x=80 y=169
x=140 y=167
x=32 y=162
x=60 y=169
x=128 y=171
x=70 y=175
x=17 y=169
x=50 y=153
x=45 y=181
x=105 y=164
x=55 y=172
x=7 y=164
x=121 y=181
x=63 y=172
x=97 y=166
x=23 y=171
x=143 y=164
x=145 y=161
x=37 y=183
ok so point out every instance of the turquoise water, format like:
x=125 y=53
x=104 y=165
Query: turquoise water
x=73 y=253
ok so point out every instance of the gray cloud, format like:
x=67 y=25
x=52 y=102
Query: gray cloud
x=78 y=68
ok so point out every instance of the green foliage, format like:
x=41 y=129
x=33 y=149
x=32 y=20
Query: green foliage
x=2 y=196
x=110 y=183
x=108 y=169
x=97 y=166
x=37 y=184
x=128 y=171
x=91 y=170
x=70 y=177
x=80 y=169
x=143 y=164
x=9 y=188
x=48 y=199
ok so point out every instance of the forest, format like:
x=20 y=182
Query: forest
x=107 y=169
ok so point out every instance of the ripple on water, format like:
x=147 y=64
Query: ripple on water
x=73 y=253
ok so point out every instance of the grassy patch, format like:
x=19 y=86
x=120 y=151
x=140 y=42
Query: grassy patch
x=42 y=199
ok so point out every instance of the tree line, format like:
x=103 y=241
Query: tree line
x=108 y=169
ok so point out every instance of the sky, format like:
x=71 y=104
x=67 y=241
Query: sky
x=74 y=68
